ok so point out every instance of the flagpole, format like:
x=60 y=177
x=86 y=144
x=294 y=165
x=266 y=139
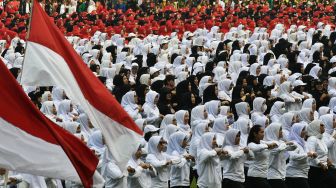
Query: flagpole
x=27 y=36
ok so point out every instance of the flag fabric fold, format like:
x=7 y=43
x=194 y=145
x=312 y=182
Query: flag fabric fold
x=50 y=60
x=33 y=144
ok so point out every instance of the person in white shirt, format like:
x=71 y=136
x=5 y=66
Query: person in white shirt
x=182 y=120
x=257 y=172
x=159 y=160
x=129 y=103
x=277 y=161
x=179 y=173
x=259 y=108
x=151 y=110
x=329 y=138
x=113 y=175
x=139 y=172
x=298 y=167
x=233 y=166
x=208 y=168
x=200 y=129
x=318 y=167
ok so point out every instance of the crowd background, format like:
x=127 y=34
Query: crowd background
x=228 y=94
x=84 y=18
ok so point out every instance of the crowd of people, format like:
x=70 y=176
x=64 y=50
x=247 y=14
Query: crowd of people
x=227 y=96
x=84 y=18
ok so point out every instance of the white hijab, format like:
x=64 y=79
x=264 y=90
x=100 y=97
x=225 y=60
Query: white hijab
x=313 y=129
x=153 y=147
x=272 y=132
x=175 y=143
x=230 y=137
x=179 y=115
x=242 y=124
x=96 y=142
x=212 y=107
x=328 y=122
x=241 y=109
x=128 y=101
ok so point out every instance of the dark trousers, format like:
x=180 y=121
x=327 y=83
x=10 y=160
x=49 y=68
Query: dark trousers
x=297 y=182
x=254 y=182
x=193 y=174
x=317 y=177
x=227 y=183
x=331 y=178
x=277 y=183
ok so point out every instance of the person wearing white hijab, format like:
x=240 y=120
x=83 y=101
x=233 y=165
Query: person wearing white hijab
x=315 y=72
x=212 y=107
x=168 y=119
x=72 y=127
x=297 y=168
x=140 y=175
x=220 y=126
x=318 y=166
x=311 y=103
x=225 y=111
x=159 y=160
x=277 y=160
x=255 y=69
x=233 y=166
x=179 y=60
x=179 y=173
x=277 y=110
x=96 y=142
x=257 y=172
x=145 y=79
x=287 y=120
x=129 y=103
x=207 y=162
x=57 y=96
x=323 y=110
x=85 y=124
x=332 y=105
x=200 y=129
x=219 y=74
x=287 y=97
x=242 y=124
x=234 y=70
x=48 y=109
x=46 y=96
x=169 y=130
x=114 y=177
x=204 y=83
x=64 y=111
x=150 y=108
x=306 y=116
x=198 y=115
x=224 y=89
x=259 y=108
x=182 y=120
x=262 y=121
x=329 y=138
x=243 y=110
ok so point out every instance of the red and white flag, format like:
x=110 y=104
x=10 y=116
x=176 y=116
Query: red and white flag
x=50 y=60
x=33 y=144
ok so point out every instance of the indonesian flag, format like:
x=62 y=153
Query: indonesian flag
x=50 y=60
x=33 y=144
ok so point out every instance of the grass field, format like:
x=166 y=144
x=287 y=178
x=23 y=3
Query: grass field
x=193 y=184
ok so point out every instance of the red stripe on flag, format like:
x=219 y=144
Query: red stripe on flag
x=17 y=109
x=44 y=32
